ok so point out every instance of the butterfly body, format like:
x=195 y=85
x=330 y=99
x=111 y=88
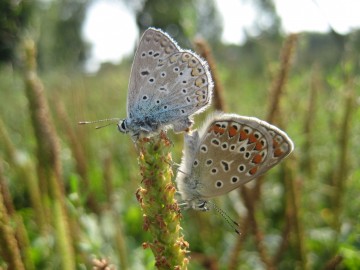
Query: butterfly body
x=167 y=86
x=227 y=152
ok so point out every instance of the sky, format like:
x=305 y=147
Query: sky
x=296 y=16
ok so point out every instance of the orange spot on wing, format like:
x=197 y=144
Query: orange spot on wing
x=253 y=170
x=257 y=159
x=217 y=129
x=258 y=146
x=278 y=152
x=232 y=132
x=252 y=138
x=275 y=144
x=243 y=135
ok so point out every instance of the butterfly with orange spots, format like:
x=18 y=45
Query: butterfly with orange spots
x=227 y=152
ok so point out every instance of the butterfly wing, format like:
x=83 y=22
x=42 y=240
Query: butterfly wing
x=281 y=144
x=233 y=150
x=154 y=46
x=167 y=84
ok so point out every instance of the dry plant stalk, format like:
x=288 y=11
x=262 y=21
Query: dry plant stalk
x=25 y=172
x=77 y=150
x=119 y=239
x=79 y=156
x=307 y=162
x=250 y=198
x=160 y=210
x=9 y=247
x=294 y=215
x=205 y=51
x=48 y=156
x=333 y=263
x=278 y=85
x=277 y=91
x=343 y=169
x=258 y=235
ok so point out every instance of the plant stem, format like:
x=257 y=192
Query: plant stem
x=160 y=210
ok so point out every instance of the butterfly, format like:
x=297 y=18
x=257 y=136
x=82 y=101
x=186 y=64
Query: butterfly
x=227 y=152
x=167 y=86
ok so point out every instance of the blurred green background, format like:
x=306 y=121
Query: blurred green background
x=68 y=191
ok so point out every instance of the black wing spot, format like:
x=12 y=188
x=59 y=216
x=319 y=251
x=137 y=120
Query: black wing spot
x=219 y=184
x=234 y=179
x=241 y=168
x=225 y=166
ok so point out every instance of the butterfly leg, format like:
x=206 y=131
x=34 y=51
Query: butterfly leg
x=184 y=205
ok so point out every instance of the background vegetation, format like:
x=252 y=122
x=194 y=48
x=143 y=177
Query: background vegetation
x=67 y=193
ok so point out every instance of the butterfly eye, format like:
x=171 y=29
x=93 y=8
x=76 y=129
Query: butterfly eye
x=122 y=127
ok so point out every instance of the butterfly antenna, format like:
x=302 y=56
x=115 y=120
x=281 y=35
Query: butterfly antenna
x=233 y=224
x=112 y=120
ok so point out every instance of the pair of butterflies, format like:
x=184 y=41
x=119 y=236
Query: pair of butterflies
x=168 y=85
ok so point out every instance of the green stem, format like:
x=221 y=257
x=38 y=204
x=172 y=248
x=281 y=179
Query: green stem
x=160 y=210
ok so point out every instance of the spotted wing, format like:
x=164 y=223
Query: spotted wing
x=167 y=84
x=282 y=145
x=232 y=151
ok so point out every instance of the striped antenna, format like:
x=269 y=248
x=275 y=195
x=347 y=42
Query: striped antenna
x=112 y=120
x=232 y=223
